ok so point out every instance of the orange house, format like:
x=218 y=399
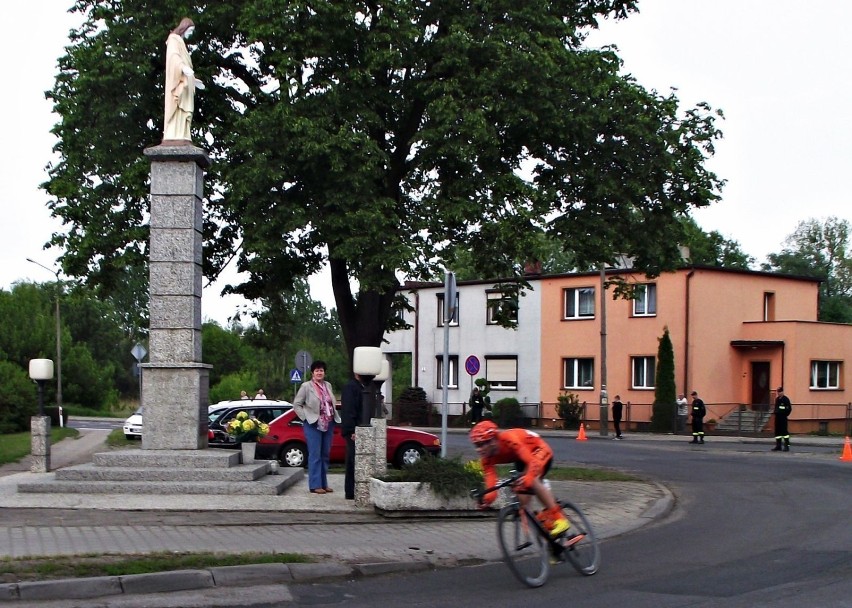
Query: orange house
x=737 y=336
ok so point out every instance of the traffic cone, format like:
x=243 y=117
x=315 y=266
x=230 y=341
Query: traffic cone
x=582 y=435
x=847 y=451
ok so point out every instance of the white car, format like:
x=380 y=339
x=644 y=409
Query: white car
x=247 y=403
x=133 y=425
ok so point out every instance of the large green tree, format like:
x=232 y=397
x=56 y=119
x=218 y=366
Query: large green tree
x=821 y=249
x=373 y=137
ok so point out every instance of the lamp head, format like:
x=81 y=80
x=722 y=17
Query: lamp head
x=41 y=369
x=367 y=360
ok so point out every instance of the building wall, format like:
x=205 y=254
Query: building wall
x=718 y=321
x=472 y=336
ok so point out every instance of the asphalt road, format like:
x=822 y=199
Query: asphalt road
x=751 y=528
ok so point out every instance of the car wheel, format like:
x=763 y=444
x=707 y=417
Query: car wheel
x=129 y=437
x=408 y=453
x=293 y=455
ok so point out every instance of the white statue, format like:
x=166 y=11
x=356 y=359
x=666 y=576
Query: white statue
x=180 y=85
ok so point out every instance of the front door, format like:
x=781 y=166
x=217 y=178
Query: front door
x=760 y=385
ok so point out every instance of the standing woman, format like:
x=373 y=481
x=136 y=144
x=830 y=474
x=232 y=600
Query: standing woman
x=314 y=405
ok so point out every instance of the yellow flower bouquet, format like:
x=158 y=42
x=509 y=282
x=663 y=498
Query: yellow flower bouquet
x=246 y=429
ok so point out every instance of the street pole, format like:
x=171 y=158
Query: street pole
x=58 y=336
x=604 y=409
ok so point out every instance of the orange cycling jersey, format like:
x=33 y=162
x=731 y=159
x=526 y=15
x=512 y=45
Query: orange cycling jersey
x=520 y=446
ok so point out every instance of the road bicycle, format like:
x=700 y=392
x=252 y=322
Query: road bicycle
x=527 y=547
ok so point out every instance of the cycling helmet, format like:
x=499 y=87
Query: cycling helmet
x=483 y=431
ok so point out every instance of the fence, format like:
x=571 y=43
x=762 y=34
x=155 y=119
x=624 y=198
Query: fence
x=733 y=418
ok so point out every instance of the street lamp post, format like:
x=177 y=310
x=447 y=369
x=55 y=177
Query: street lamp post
x=41 y=370
x=58 y=339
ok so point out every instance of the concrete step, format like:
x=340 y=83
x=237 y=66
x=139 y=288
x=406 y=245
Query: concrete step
x=93 y=472
x=149 y=459
x=271 y=485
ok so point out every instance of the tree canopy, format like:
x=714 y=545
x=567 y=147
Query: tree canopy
x=374 y=137
x=821 y=249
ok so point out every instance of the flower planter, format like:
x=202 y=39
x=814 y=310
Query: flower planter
x=248 y=449
x=404 y=496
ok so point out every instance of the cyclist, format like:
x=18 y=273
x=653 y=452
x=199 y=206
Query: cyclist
x=532 y=457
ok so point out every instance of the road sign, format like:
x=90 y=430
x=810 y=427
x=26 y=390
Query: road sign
x=303 y=361
x=138 y=352
x=450 y=297
x=295 y=376
x=471 y=365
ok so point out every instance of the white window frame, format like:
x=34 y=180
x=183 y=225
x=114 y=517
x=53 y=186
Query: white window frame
x=639 y=366
x=454 y=322
x=573 y=369
x=502 y=373
x=454 y=372
x=574 y=296
x=645 y=302
x=825 y=375
x=490 y=309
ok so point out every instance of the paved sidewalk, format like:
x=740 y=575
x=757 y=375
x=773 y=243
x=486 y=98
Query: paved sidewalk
x=347 y=541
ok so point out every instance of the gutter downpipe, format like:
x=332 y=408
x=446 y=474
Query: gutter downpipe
x=416 y=378
x=686 y=333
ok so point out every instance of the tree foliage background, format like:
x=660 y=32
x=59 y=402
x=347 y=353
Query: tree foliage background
x=821 y=249
x=373 y=137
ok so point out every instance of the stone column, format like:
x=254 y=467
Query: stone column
x=365 y=464
x=40 y=444
x=175 y=383
x=380 y=431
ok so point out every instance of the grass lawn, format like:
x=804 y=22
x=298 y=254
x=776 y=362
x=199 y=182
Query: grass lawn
x=16 y=446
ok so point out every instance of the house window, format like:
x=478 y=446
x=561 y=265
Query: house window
x=768 y=306
x=645 y=302
x=454 y=371
x=580 y=303
x=502 y=373
x=455 y=320
x=578 y=373
x=825 y=374
x=644 y=370
x=500 y=308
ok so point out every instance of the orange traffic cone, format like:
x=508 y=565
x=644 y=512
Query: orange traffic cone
x=582 y=435
x=847 y=451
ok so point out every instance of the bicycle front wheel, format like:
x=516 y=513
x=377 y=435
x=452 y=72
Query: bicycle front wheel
x=522 y=545
x=584 y=555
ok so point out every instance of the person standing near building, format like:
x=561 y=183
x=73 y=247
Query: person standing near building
x=350 y=405
x=477 y=404
x=682 y=412
x=617 y=410
x=783 y=407
x=698 y=413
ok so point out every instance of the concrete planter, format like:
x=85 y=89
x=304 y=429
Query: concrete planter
x=405 y=496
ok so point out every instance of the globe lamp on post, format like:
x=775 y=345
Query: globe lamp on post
x=367 y=363
x=41 y=370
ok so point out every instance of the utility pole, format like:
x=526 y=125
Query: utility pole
x=58 y=336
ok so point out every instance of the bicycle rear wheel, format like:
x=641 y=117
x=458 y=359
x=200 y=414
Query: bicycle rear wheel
x=584 y=555
x=523 y=547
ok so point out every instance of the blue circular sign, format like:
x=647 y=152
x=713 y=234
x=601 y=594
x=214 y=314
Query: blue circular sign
x=471 y=365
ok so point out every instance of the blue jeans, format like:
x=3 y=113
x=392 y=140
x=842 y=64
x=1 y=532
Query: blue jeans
x=319 y=449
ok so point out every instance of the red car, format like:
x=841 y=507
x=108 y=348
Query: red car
x=286 y=443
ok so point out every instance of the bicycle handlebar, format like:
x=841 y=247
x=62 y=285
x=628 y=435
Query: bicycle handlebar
x=513 y=477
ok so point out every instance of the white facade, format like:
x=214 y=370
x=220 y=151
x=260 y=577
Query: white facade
x=509 y=358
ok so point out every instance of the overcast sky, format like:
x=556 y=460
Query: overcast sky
x=778 y=69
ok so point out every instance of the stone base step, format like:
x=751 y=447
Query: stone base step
x=271 y=485
x=92 y=472
x=149 y=459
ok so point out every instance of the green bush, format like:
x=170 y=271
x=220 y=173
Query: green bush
x=448 y=477
x=413 y=407
x=569 y=409
x=507 y=413
x=18 y=398
x=230 y=385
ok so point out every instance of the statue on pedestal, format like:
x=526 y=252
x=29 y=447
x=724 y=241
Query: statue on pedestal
x=180 y=85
